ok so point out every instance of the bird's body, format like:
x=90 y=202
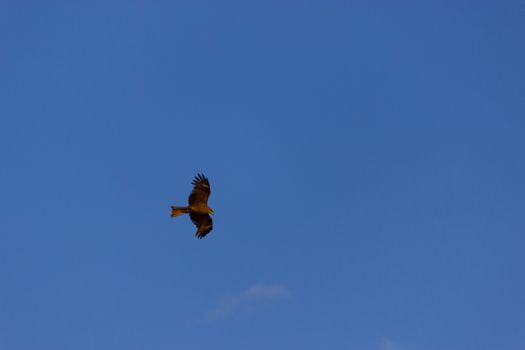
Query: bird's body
x=198 y=206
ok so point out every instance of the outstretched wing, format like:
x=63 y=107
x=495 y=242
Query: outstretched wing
x=203 y=222
x=201 y=191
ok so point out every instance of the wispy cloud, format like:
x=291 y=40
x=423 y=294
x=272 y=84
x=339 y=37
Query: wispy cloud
x=247 y=300
x=389 y=345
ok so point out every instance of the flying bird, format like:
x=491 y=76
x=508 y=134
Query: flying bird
x=198 y=206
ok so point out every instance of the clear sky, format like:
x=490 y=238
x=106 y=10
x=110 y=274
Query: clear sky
x=366 y=161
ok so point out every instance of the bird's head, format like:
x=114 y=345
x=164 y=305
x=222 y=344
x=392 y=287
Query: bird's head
x=210 y=211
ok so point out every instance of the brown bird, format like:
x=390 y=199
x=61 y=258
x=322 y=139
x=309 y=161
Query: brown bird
x=198 y=206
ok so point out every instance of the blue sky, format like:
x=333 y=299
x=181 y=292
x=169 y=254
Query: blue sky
x=366 y=162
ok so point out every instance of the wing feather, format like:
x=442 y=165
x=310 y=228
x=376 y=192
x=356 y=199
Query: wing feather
x=203 y=222
x=201 y=191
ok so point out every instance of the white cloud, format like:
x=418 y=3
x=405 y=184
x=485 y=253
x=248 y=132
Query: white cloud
x=247 y=300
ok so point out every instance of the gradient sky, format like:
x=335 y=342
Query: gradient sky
x=366 y=162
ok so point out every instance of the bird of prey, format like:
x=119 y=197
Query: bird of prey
x=198 y=206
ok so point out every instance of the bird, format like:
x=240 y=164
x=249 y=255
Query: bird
x=198 y=206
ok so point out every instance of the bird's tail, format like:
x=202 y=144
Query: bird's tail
x=176 y=211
